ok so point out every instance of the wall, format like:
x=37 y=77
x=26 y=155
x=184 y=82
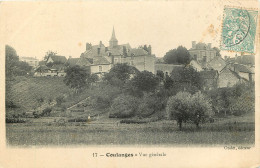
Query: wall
x=95 y=68
x=227 y=79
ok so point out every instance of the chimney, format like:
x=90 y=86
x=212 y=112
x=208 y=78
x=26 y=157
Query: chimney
x=69 y=57
x=88 y=46
x=193 y=44
x=209 y=45
x=106 y=49
x=98 y=50
x=149 y=50
x=100 y=44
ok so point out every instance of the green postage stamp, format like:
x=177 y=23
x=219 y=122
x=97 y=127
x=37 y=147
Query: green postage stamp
x=239 y=30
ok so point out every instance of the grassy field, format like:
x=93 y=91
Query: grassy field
x=26 y=90
x=223 y=132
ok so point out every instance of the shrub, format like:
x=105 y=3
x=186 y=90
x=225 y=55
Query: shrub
x=102 y=96
x=149 y=105
x=46 y=111
x=124 y=106
x=59 y=100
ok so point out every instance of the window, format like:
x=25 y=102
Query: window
x=132 y=62
x=100 y=68
x=116 y=61
x=205 y=58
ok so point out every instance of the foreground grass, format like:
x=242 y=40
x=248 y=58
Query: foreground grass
x=158 y=133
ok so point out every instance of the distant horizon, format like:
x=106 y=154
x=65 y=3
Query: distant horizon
x=66 y=27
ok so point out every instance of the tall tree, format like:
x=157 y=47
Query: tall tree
x=145 y=81
x=177 y=56
x=76 y=77
x=11 y=59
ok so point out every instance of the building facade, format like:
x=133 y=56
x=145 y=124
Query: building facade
x=202 y=52
x=141 y=58
x=30 y=60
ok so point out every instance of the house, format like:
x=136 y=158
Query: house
x=141 y=58
x=217 y=63
x=100 y=65
x=248 y=60
x=33 y=62
x=229 y=78
x=195 y=65
x=210 y=79
x=244 y=71
x=202 y=52
x=56 y=59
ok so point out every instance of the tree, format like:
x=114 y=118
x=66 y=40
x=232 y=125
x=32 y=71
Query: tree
x=200 y=108
x=178 y=107
x=119 y=74
x=187 y=77
x=13 y=66
x=145 y=81
x=11 y=59
x=177 y=56
x=76 y=77
x=217 y=51
x=160 y=75
x=184 y=107
x=124 y=106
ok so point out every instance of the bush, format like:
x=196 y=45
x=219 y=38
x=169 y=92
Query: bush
x=46 y=111
x=124 y=106
x=14 y=120
x=59 y=100
x=149 y=105
x=102 y=96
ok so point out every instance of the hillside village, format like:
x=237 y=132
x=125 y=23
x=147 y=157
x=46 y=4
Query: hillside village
x=118 y=84
x=217 y=71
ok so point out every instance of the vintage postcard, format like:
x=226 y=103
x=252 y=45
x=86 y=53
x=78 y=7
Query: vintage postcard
x=130 y=83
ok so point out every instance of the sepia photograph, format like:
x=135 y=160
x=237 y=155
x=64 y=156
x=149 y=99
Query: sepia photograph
x=175 y=74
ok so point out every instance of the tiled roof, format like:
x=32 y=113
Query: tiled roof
x=217 y=63
x=242 y=68
x=138 y=52
x=100 y=61
x=85 y=61
x=58 y=58
x=73 y=61
x=246 y=59
x=209 y=74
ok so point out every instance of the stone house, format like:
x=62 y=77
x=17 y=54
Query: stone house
x=141 y=58
x=202 y=52
x=217 y=63
x=229 y=78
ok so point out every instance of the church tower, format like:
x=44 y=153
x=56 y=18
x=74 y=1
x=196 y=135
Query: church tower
x=113 y=41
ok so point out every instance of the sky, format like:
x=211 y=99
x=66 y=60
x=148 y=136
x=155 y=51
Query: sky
x=33 y=28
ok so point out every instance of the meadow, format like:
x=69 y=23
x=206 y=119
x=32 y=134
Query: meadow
x=161 y=133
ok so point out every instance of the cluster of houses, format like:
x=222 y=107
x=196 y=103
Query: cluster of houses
x=216 y=71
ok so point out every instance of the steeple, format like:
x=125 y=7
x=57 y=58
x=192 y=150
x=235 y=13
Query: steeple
x=113 y=41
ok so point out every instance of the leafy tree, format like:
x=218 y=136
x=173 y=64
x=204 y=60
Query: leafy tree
x=11 y=59
x=119 y=73
x=124 y=106
x=200 y=108
x=179 y=107
x=76 y=77
x=177 y=56
x=187 y=76
x=217 y=51
x=184 y=107
x=145 y=81
x=160 y=75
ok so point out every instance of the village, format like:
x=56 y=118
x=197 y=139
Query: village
x=118 y=86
